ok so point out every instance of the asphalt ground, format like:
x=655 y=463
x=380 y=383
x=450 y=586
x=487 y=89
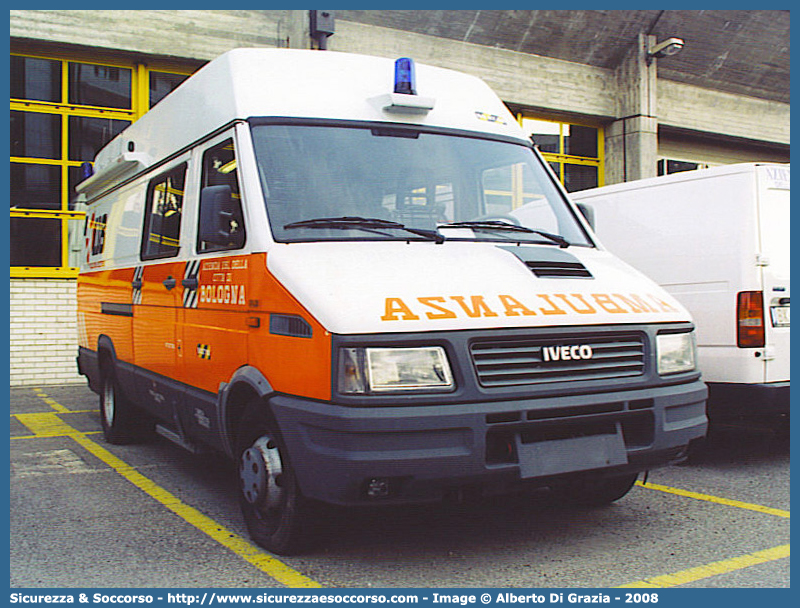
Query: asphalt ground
x=84 y=513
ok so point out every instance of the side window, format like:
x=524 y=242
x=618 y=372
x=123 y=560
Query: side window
x=221 y=221
x=162 y=221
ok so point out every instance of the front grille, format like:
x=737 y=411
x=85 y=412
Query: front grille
x=533 y=361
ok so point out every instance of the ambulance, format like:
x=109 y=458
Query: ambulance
x=357 y=278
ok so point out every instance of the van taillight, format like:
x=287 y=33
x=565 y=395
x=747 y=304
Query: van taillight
x=750 y=318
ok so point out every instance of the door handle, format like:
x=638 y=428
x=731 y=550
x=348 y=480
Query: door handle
x=190 y=283
x=137 y=284
x=169 y=283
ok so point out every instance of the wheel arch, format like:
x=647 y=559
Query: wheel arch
x=246 y=385
x=106 y=353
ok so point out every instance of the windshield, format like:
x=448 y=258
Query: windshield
x=353 y=183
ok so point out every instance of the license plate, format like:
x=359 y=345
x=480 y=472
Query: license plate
x=568 y=455
x=780 y=316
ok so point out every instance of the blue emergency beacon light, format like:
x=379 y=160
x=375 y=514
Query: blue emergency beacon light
x=404 y=77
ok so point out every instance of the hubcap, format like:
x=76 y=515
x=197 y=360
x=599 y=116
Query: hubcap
x=108 y=402
x=260 y=470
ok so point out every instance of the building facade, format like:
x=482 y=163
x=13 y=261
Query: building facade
x=584 y=84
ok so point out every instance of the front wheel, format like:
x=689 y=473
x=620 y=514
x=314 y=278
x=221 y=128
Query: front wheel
x=274 y=510
x=595 y=492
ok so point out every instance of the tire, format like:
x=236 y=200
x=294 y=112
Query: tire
x=122 y=422
x=595 y=492
x=276 y=513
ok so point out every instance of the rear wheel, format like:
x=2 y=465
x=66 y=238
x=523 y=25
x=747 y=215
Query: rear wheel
x=276 y=513
x=122 y=422
x=595 y=492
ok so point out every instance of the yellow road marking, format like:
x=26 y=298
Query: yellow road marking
x=715 y=499
x=713 y=569
x=46 y=425
x=49 y=425
x=234 y=542
x=55 y=405
x=70 y=434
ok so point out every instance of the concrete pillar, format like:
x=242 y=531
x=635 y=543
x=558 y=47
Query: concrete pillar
x=296 y=29
x=632 y=139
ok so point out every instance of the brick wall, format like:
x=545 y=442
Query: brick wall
x=43 y=336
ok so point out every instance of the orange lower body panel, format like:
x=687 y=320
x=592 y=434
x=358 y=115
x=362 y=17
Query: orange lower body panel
x=198 y=322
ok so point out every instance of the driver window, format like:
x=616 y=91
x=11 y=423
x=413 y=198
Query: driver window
x=512 y=191
x=220 y=169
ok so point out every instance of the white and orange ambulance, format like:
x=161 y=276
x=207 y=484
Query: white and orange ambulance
x=359 y=278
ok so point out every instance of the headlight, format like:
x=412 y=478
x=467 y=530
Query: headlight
x=676 y=352
x=382 y=370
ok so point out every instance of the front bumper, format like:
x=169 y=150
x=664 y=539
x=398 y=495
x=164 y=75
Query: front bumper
x=422 y=453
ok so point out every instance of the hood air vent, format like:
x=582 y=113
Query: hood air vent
x=550 y=263
x=559 y=269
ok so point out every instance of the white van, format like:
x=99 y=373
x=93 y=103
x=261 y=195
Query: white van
x=718 y=240
x=359 y=279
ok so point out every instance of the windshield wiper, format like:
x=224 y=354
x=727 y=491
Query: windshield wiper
x=365 y=223
x=500 y=226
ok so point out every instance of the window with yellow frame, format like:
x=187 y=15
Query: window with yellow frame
x=575 y=152
x=63 y=110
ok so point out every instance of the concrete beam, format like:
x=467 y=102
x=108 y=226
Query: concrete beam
x=190 y=34
x=692 y=108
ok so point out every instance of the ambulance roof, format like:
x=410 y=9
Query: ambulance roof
x=245 y=83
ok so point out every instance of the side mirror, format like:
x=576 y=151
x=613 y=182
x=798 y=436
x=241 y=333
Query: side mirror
x=220 y=217
x=588 y=212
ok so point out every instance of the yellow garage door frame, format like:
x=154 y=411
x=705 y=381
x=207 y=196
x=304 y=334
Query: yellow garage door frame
x=139 y=104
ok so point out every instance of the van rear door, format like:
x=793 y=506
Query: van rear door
x=773 y=214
